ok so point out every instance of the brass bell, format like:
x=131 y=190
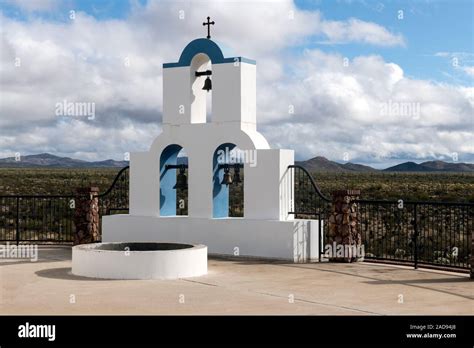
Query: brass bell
x=181 y=180
x=227 y=179
x=207 y=84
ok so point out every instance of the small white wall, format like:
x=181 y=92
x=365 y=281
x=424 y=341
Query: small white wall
x=263 y=191
x=200 y=184
x=295 y=241
x=88 y=260
x=144 y=184
x=234 y=93
x=286 y=187
x=248 y=90
x=176 y=96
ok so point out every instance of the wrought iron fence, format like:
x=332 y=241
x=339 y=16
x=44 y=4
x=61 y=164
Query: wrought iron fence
x=46 y=219
x=308 y=200
x=307 y=196
x=115 y=199
x=50 y=218
x=428 y=234
x=420 y=233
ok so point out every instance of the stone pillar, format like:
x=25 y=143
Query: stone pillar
x=86 y=216
x=344 y=237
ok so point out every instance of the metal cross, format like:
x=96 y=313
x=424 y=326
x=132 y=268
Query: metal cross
x=208 y=26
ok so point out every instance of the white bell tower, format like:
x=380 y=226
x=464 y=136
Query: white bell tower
x=267 y=228
x=233 y=87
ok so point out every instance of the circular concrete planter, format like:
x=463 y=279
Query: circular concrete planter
x=139 y=260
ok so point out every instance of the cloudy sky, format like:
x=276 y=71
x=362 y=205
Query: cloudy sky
x=362 y=81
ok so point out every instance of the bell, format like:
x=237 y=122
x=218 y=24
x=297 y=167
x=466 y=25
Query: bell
x=207 y=84
x=227 y=179
x=237 y=179
x=181 y=180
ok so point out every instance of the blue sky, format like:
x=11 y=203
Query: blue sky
x=429 y=27
x=390 y=59
x=100 y=9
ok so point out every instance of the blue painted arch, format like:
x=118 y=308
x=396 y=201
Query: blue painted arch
x=220 y=193
x=208 y=47
x=205 y=46
x=168 y=180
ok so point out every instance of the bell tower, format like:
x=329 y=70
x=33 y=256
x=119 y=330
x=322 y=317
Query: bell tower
x=266 y=226
x=202 y=69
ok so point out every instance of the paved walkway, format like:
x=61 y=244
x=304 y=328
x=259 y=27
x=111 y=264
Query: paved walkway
x=235 y=287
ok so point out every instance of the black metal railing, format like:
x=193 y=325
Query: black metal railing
x=307 y=196
x=50 y=218
x=308 y=200
x=27 y=218
x=115 y=200
x=419 y=233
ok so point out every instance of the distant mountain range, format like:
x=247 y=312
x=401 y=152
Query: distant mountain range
x=432 y=166
x=46 y=160
x=322 y=164
x=316 y=164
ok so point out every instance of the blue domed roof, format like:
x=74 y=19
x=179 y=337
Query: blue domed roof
x=208 y=47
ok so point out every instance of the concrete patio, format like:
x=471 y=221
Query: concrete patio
x=235 y=287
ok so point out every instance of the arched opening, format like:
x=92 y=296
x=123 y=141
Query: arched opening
x=182 y=190
x=201 y=99
x=209 y=101
x=228 y=182
x=173 y=181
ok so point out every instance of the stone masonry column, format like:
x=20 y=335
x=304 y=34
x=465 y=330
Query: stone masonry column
x=344 y=236
x=86 y=216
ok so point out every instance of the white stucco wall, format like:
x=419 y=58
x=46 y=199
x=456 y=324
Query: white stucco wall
x=89 y=261
x=175 y=96
x=200 y=141
x=234 y=93
x=295 y=241
x=263 y=190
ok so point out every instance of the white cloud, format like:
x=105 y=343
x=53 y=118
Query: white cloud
x=337 y=108
x=80 y=139
x=355 y=30
x=469 y=70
